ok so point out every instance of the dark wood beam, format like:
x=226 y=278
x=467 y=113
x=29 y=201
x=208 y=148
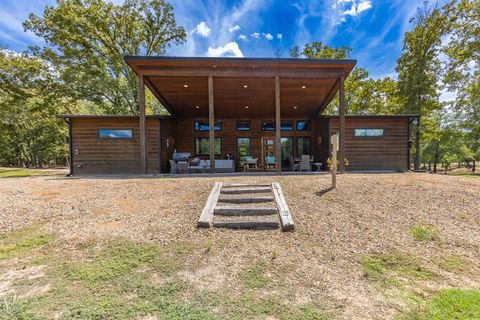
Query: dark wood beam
x=342 y=124
x=211 y=124
x=143 y=132
x=159 y=96
x=238 y=72
x=328 y=98
x=278 y=148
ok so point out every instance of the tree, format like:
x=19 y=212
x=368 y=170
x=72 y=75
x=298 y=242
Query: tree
x=87 y=40
x=419 y=67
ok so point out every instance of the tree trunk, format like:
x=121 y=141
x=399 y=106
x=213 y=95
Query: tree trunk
x=473 y=167
x=416 y=165
x=436 y=156
x=429 y=165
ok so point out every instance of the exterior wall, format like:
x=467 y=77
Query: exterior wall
x=388 y=152
x=185 y=136
x=92 y=155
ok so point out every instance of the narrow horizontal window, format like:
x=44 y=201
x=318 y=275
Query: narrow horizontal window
x=304 y=125
x=202 y=146
x=268 y=125
x=243 y=125
x=201 y=125
x=286 y=125
x=368 y=132
x=116 y=133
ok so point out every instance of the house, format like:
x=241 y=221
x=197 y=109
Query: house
x=237 y=107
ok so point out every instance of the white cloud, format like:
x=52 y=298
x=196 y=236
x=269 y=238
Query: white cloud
x=202 y=30
x=358 y=7
x=231 y=49
x=268 y=36
x=235 y=28
x=279 y=36
x=255 y=35
x=243 y=37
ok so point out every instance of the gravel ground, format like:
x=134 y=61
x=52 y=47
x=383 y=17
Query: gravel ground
x=335 y=229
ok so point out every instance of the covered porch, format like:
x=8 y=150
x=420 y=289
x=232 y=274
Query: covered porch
x=263 y=112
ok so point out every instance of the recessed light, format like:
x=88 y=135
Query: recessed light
x=185 y=85
x=245 y=86
x=246 y=107
x=214 y=66
x=303 y=87
x=197 y=107
x=295 y=107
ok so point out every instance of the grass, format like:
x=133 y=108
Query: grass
x=452 y=263
x=18 y=242
x=255 y=276
x=455 y=304
x=389 y=269
x=14 y=308
x=17 y=172
x=424 y=233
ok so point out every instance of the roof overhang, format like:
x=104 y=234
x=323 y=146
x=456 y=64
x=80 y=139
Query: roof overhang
x=243 y=87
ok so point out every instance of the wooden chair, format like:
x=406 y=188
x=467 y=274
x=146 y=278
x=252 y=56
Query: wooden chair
x=270 y=163
x=305 y=164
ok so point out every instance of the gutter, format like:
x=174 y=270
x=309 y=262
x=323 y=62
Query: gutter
x=70 y=145
x=409 y=142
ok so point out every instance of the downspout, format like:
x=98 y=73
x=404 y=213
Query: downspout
x=409 y=143
x=70 y=146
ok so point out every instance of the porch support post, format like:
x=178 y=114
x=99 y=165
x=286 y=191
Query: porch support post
x=143 y=132
x=342 y=124
x=211 y=124
x=278 y=150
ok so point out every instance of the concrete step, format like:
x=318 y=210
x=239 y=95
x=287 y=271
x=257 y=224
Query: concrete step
x=245 y=211
x=247 y=190
x=255 y=225
x=246 y=200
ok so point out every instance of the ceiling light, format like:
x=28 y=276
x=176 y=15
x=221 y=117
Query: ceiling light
x=246 y=107
x=214 y=66
x=245 y=86
x=185 y=85
x=295 y=107
x=303 y=87
x=197 y=107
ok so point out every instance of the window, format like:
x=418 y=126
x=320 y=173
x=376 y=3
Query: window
x=303 y=146
x=368 y=132
x=202 y=125
x=286 y=125
x=202 y=146
x=304 y=125
x=243 y=148
x=268 y=125
x=243 y=125
x=287 y=147
x=116 y=133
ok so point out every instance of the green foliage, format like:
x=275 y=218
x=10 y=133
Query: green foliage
x=255 y=277
x=448 y=304
x=14 y=308
x=424 y=233
x=13 y=173
x=452 y=263
x=18 y=242
x=386 y=268
x=88 y=39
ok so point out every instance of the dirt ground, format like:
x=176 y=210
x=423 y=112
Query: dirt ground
x=321 y=262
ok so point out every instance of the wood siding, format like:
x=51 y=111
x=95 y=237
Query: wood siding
x=388 y=152
x=92 y=155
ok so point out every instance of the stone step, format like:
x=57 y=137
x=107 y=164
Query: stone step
x=245 y=211
x=247 y=190
x=241 y=185
x=255 y=225
x=246 y=200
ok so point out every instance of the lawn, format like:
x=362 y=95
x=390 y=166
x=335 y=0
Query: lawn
x=24 y=172
x=395 y=246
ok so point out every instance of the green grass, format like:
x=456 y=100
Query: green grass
x=16 y=173
x=452 y=263
x=255 y=276
x=16 y=243
x=424 y=233
x=389 y=269
x=14 y=308
x=448 y=304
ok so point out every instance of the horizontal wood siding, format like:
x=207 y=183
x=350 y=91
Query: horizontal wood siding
x=105 y=156
x=388 y=152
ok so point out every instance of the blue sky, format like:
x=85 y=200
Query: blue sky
x=262 y=28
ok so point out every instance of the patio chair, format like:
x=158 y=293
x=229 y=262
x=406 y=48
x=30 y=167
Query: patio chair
x=173 y=167
x=305 y=164
x=293 y=166
x=270 y=162
x=182 y=167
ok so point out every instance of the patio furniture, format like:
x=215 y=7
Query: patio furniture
x=182 y=167
x=221 y=166
x=249 y=163
x=318 y=166
x=305 y=164
x=270 y=163
x=173 y=167
x=293 y=166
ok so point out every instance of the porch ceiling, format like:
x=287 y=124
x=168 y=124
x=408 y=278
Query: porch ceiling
x=243 y=88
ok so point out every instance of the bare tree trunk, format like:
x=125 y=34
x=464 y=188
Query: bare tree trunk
x=416 y=165
x=473 y=167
